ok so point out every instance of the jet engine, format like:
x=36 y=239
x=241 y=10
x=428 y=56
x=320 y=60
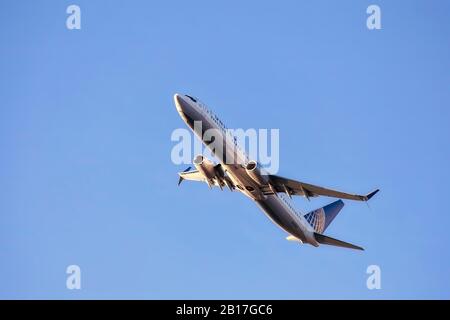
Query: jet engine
x=254 y=171
x=204 y=166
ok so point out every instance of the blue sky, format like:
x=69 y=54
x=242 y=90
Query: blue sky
x=86 y=176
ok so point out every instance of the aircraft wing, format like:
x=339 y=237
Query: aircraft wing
x=193 y=175
x=307 y=190
x=220 y=180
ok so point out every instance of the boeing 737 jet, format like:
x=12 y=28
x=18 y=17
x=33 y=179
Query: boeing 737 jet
x=266 y=190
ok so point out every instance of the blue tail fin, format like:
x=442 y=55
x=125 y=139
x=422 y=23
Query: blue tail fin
x=321 y=218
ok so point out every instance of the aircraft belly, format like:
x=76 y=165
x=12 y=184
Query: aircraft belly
x=276 y=212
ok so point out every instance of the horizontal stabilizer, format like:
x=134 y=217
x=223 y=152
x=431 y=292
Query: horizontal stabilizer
x=322 y=239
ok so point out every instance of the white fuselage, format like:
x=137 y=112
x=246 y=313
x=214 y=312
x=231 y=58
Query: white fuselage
x=275 y=206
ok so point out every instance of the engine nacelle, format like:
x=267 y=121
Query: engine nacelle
x=254 y=172
x=204 y=166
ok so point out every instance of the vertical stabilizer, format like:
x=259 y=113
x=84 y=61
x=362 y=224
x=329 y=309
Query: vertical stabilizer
x=321 y=218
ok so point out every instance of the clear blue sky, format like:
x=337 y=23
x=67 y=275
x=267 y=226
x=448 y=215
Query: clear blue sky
x=86 y=176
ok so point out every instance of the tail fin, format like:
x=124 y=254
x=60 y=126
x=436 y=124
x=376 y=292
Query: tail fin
x=334 y=242
x=321 y=218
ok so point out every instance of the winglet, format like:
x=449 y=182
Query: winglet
x=370 y=195
x=181 y=177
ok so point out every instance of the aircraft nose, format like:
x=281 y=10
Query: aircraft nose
x=177 y=99
x=180 y=102
x=187 y=109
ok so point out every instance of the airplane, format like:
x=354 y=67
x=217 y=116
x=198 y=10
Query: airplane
x=266 y=190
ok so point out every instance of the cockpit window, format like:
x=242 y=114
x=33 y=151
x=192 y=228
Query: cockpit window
x=193 y=99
